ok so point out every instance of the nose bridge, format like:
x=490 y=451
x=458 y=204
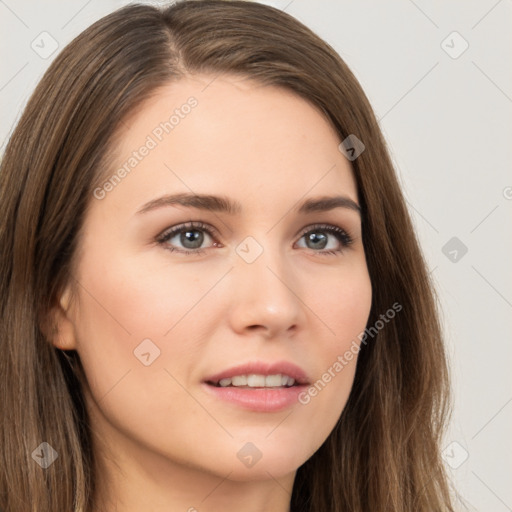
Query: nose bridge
x=263 y=282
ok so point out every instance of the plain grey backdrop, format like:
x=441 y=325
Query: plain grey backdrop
x=439 y=76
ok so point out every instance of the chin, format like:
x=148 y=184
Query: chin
x=264 y=470
x=263 y=458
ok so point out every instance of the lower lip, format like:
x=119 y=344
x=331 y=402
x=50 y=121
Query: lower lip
x=257 y=399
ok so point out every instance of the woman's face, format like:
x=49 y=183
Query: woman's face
x=265 y=283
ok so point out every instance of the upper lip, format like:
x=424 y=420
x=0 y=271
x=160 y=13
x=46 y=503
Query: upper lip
x=262 y=368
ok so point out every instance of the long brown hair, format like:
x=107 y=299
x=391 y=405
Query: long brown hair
x=383 y=454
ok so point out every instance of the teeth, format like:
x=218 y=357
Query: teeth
x=273 y=380
x=255 y=381
x=239 y=380
x=258 y=381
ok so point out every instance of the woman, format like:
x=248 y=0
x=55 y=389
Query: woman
x=212 y=293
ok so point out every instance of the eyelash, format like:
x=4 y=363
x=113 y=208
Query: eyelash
x=342 y=236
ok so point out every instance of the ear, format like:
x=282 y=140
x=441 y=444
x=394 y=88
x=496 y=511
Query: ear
x=58 y=327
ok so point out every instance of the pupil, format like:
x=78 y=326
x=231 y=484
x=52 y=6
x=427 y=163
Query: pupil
x=314 y=238
x=194 y=237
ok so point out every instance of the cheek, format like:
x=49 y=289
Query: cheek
x=135 y=341
x=343 y=308
x=135 y=320
x=342 y=305
x=129 y=298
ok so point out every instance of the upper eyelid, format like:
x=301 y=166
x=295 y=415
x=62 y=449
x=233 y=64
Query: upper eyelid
x=189 y=225
x=324 y=225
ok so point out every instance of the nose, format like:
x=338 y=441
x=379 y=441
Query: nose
x=265 y=296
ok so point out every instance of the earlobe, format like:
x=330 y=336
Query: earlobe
x=59 y=328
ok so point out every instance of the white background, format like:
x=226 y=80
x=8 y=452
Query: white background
x=448 y=125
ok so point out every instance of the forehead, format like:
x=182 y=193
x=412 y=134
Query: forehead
x=215 y=135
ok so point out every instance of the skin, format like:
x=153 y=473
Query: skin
x=161 y=442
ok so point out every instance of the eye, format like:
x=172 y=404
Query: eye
x=317 y=237
x=190 y=236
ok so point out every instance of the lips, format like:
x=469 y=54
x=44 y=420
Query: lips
x=261 y=368
x=256 y=398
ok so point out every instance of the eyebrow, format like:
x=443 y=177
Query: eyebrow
x=223 y=204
